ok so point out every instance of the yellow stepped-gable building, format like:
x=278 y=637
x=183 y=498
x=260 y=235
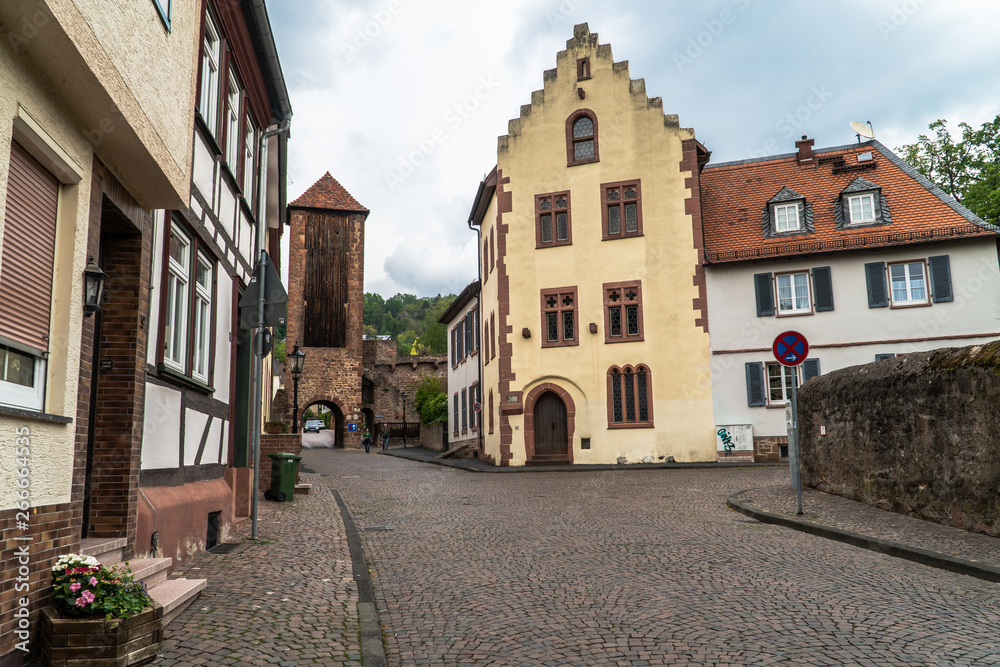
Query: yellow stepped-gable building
x=594 y=321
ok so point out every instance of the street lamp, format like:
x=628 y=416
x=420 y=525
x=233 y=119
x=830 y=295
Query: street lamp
x=93 y=287
x=295 y=360
x=404 y=419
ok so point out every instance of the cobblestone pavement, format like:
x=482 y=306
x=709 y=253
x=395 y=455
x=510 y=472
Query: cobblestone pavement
x=287 y=599
x=825 y=509
x=636 y=568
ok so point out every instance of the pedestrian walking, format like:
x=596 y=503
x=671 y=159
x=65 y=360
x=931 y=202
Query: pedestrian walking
x=366 y=440
x=385 y=437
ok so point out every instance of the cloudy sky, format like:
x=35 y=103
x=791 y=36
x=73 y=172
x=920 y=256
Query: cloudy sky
x=402 y=100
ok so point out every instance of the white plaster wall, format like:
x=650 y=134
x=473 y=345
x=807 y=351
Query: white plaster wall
x=246 y=240
x=734 y=325
x=227 y=209
x=204 y=169
x=160 y=435
x=462 y=377
x=194 y=427
x=224 y=335
x=155 y=285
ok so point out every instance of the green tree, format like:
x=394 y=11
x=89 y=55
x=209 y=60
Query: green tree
x=966 y=167
x=434 y=339
x=431 y=401
x=279 y=351
x=404 y=342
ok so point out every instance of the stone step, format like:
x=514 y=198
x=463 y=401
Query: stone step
x=150 y=571
x=175 y=595
x=543 y=461
x=107 y=550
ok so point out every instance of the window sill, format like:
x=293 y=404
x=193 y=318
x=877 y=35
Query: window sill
x=631 y=425
x=575 y=163
x=22 y=413
x=553 y=244
x=794 y=313
x=630 y=339
x=168 y=373
x=903 y=306
x=572 y=343
x=618 y=237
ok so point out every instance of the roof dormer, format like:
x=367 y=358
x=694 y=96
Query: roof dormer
x=787 y=214
x=861 y=204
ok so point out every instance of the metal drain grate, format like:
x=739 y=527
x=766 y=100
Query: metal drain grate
x=366 y=528
x=225 y=548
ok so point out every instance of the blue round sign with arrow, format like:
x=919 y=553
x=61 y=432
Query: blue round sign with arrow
x=790 y=348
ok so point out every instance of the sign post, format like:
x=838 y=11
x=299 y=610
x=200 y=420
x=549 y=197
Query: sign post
x=790 y=349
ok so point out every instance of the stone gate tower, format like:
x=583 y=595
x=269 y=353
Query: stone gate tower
x=325 y=299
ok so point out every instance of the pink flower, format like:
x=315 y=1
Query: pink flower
x=75 y=586
x=93 y=581
x=85 y=598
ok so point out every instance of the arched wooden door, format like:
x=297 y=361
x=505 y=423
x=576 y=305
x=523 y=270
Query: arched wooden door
x=550 y=426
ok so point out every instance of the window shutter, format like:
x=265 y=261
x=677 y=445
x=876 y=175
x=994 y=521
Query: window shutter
x=878 y=295
x=810 y=369
x=765 y=294
x=940 y=270
x=823 y=288
x=755 y=385
x=28 y=250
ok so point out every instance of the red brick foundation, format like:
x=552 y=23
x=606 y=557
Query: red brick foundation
x=768 y=448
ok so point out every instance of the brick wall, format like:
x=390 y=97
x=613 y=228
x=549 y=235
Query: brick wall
x=272 y=444
x=768 y=448
x=392 y=375
x=53 y=530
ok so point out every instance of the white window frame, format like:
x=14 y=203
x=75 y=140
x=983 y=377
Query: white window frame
x=796 y=306
x=233 y=109
x=851 y=199
x=788 y=225
x=202 y=320
x=786 y=373
x=210 y=81
x=18 y=395
x=249 y=152
x=178 y=290
x=909 y=288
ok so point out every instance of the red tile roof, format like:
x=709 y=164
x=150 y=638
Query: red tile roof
x=735 y=195
x=328 y=194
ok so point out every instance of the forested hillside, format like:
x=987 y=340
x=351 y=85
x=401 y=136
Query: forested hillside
x=408 y=319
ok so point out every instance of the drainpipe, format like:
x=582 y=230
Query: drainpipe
x=479 y=320
x=258 y=361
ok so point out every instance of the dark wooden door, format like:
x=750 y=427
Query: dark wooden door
x=550 y=425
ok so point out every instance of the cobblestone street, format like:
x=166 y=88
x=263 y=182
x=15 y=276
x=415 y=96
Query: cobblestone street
x=636 y=568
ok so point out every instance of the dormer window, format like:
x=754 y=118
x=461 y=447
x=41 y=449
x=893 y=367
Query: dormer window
x=786 y=217
x=862 y=208
x=787 y=214
x=581 y=138
x=861 y=204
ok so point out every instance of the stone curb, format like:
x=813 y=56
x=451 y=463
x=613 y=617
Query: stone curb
x=372 y=647
x=887 y=547
x=481 y=466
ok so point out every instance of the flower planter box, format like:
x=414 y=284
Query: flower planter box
x=96 y=642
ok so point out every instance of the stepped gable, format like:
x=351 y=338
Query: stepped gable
x=585 y=42
x=327 y=193
x=734 y=195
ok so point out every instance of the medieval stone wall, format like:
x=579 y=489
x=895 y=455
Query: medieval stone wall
x=391 y=375
x=915 y=434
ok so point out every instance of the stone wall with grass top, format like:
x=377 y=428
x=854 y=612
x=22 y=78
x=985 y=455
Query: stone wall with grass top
x=918 y=434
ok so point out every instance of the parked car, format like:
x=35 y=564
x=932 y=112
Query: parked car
x=313 y=425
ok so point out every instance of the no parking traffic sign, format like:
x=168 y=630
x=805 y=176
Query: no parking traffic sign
x=790 y=348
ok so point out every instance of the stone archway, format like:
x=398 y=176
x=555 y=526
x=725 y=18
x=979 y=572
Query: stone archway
x=554 y=401
x=337 y=420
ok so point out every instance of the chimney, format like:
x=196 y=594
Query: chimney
x=805 y=148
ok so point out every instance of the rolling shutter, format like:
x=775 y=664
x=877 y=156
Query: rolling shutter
x=755 y=385
x=765 y=294
x=29 y=239
x=823 y=288
x=940 y=270
x=878 y=294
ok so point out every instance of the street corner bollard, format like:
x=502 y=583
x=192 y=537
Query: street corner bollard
x=284 y=472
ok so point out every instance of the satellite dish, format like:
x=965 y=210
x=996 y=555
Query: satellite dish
x=863 y=130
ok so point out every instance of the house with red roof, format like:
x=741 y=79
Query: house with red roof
x=851 y=247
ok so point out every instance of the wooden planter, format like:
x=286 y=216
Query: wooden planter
x=96 y=642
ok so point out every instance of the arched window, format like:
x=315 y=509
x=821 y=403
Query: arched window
x=630 y=397
x=581 y=138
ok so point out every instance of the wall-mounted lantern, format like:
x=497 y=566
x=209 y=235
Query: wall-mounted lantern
x=93 y=287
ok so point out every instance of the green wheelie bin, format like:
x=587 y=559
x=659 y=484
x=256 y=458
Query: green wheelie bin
x=284 y=471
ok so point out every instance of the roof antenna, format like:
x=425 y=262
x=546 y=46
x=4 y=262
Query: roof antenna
x=862 y=130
